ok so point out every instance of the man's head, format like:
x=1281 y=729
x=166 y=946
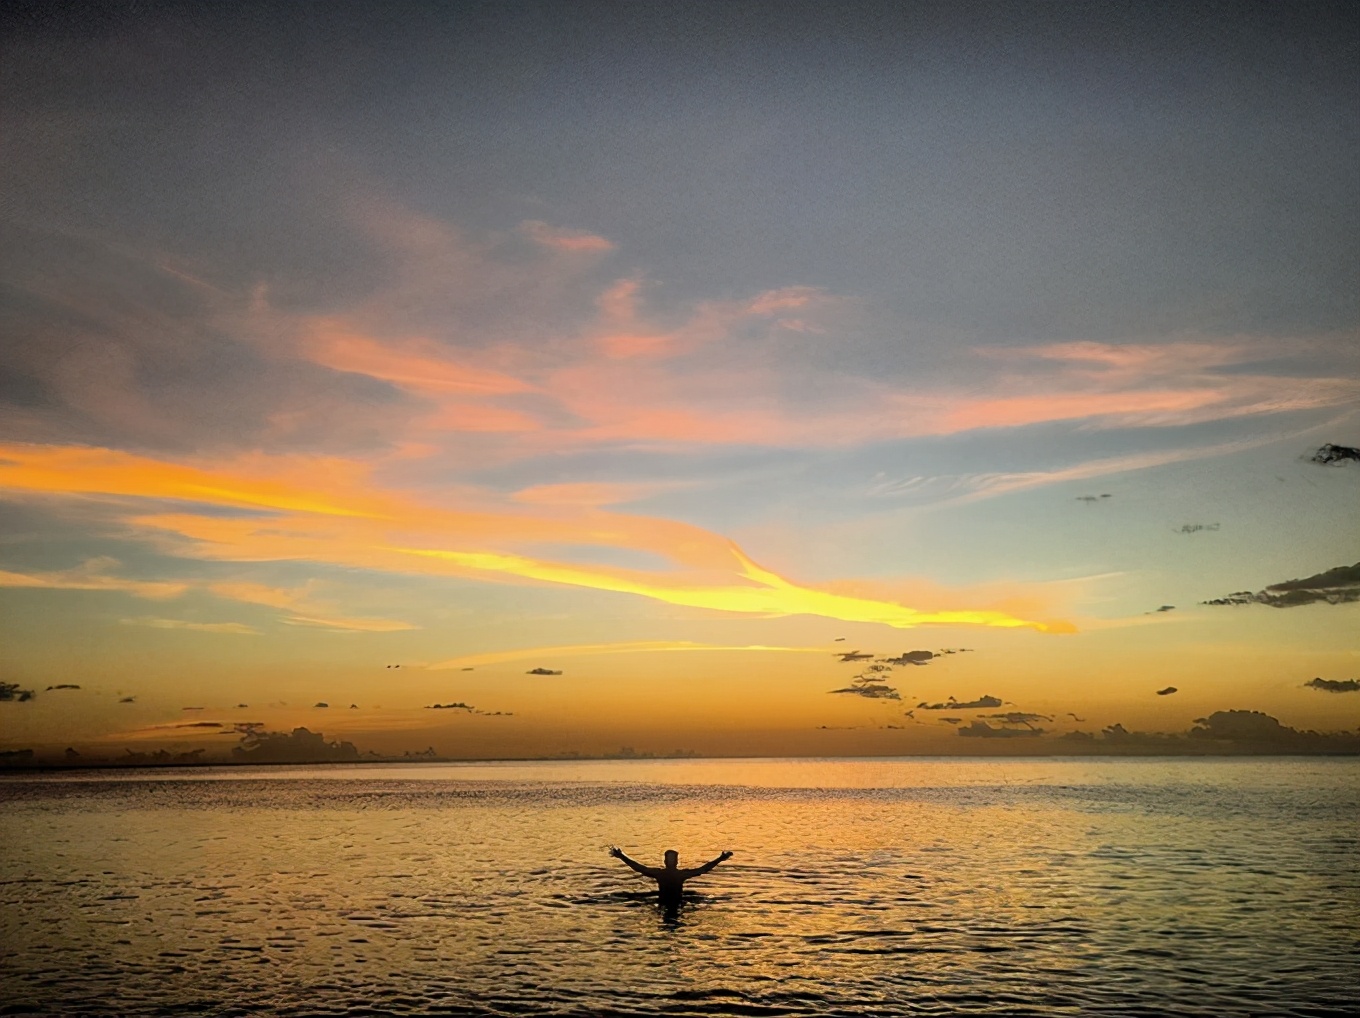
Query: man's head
x=672 y=857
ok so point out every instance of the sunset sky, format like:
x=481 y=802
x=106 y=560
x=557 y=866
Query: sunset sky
x=678 y=349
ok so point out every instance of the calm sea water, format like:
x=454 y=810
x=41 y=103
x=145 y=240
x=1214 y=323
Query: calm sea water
x=868 y=887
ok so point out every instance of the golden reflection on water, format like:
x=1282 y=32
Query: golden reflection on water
x=897 y=887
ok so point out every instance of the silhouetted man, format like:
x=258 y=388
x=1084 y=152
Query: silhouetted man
x=670 y=879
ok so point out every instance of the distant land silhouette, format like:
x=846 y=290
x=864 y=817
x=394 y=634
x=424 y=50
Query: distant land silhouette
x=1222 y=733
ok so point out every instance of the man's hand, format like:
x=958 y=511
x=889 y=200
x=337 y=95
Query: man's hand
x=615 y=851
x=725 y=855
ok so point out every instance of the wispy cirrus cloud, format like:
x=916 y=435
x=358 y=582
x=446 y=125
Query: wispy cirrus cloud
x=94 y=574
x=559 y=239
x=593 y=649
x=151 y=622
x=301 y=607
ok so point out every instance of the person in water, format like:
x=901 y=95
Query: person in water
x=670 y=879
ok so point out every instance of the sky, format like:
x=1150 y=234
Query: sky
x=615 y=369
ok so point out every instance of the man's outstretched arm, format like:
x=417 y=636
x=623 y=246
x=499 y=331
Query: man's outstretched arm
x=700 y=870
x=632 y=864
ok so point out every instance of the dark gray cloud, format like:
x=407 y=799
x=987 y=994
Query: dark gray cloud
x=870 y=691
x=135 y=758
x=1334 y=685
x=1227 y=731
x=1251 y=726
x=911 y=657
x=854 y=655
x=1195 y=528
x=986 y=700
x=1166 y=691
x=201 y=724
x=10 y=691
x=870 y=683
x=1334 y=454
x=542 y=671
x=459 y=705
x=321 y=703
x=298 y=746
x=1335 y=586
x=1089 y=499
x=982 y=730
x=63 y=685
x=1017 y=717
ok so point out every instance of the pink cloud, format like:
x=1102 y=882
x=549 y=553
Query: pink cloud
x=564 y=240
x=419 y=365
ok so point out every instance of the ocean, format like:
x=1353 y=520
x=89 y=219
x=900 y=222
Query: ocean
x=857 y=887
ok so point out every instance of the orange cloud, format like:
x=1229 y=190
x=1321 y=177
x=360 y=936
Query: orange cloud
x=395 y=533
x=82 y=470
x=762 y=593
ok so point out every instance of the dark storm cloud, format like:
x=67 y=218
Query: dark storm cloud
x=541 y=671
x=853 y=655
x=200 y=724
x=1335 y=586
x=10 y=691
x=1167 y=691
x=1334 y=685
x=986 y=700
x=459 y=705
x=1335 y=454
x=321 y=703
